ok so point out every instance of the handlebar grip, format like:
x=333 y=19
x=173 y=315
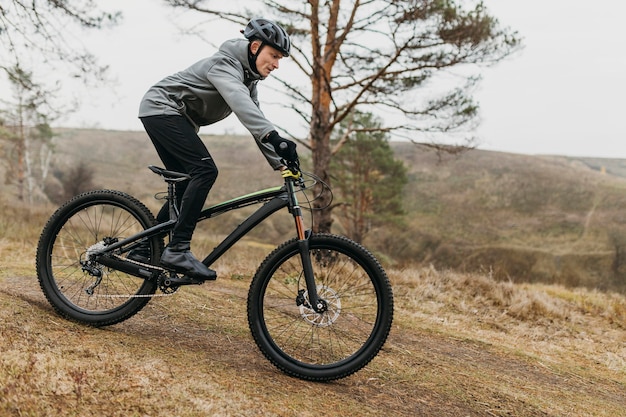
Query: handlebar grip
x=294 y=166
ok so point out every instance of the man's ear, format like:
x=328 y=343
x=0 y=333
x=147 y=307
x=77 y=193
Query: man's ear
x=254 y=46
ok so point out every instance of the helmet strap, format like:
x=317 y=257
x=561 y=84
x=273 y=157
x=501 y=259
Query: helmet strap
x=253 y=56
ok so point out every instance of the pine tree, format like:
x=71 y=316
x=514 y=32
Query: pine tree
x=368 y=178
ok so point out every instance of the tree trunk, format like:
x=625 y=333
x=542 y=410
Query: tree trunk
x=324 y=57
x=321 y=154
x=20 y=149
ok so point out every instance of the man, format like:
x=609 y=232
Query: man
x=173 y=110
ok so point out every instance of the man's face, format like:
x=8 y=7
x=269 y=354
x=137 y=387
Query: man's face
x=267 y=60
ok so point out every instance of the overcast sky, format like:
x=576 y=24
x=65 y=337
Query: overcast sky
x=562 y=94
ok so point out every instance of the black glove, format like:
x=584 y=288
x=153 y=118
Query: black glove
x=285 y=148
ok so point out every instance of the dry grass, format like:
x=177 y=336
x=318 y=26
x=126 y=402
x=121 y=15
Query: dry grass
x=462 y=345
x=542 y=320
x=526 y=218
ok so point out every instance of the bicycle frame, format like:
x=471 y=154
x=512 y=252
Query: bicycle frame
x=280 y=197
x=275 y=199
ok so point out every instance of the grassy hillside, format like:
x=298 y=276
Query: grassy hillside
x=120 y=161
x=615 y=167
x=523 y=218
x=526 y=218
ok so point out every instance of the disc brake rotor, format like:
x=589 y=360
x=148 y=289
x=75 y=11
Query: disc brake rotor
x=331 y=313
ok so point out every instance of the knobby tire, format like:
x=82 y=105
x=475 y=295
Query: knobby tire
x=321 y=346
x=76 y=226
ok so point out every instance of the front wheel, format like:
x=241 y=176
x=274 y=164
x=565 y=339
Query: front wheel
x=328 y=345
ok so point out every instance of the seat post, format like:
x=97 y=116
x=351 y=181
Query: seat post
x=171 y=199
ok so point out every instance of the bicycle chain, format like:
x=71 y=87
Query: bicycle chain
x=134 y=295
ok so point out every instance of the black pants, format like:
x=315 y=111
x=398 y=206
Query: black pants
x=181 y=150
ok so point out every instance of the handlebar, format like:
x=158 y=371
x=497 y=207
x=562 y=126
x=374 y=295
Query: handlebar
x=295 y=177
x=293 y=170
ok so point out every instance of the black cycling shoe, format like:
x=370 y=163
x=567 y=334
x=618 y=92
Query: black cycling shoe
x=179 y=258
x=141 y=253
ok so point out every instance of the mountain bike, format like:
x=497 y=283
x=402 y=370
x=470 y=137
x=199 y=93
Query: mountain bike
x=319 y=307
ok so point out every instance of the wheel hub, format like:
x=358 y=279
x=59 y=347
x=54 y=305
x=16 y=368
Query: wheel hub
x=329 y=312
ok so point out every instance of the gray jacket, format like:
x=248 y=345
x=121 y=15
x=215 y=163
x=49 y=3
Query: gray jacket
x=210 y=90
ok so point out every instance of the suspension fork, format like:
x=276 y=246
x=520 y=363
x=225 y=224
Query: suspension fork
x=304 y=237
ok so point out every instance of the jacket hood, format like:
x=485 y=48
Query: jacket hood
x=238 y=48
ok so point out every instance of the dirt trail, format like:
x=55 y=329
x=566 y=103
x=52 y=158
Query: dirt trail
x=191 y=354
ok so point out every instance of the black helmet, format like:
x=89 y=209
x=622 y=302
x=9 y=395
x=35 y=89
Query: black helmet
x=269 y=33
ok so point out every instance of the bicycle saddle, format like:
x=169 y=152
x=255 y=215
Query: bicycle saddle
x=169 y=175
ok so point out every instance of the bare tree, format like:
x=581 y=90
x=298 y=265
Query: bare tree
x=25 y=136
x=41 y=36
x=40 y=32
x=73 y=181
x=375 y=56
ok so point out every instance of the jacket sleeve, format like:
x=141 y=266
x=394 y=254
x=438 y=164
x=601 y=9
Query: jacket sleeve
x=228 y=79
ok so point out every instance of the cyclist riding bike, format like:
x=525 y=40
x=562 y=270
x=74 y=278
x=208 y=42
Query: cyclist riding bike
x=173 y=110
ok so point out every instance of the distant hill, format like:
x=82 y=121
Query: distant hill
x=120 y=160
x=532 y=218
x=526 y=218
x=610 y=166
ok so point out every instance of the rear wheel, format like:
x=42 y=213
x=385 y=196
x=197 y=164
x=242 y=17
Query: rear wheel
x=86 y=291
x=328 y=345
